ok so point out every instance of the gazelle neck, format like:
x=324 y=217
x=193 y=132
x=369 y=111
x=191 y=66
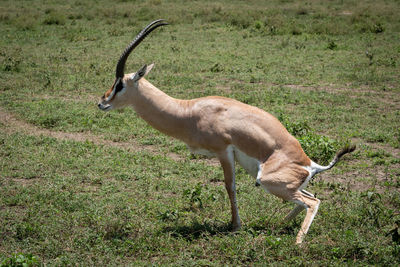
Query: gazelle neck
x=161 y=111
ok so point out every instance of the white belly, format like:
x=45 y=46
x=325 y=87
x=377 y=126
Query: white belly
x=251 y=165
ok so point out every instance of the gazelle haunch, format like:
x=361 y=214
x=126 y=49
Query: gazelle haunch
x=227 y=129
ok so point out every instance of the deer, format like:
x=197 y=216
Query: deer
x=227 y=129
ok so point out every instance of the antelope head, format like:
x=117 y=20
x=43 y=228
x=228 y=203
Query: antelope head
x=124 y=85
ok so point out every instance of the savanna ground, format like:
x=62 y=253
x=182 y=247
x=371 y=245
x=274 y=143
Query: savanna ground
x=82 y=187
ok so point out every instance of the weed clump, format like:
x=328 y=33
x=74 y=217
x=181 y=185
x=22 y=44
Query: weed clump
x=318 y=147
x=194 y=196
x=332 y=45
x=12 y=64
x=20 y=259
x=54 y=18
x=302 y=11
x=25 y=23
x=240 y=22
x=377 y=28
x=217 y=68
x=11 y=60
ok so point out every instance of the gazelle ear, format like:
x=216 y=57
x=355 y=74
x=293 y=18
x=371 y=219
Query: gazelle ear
x=148 y=69
x=142 y=72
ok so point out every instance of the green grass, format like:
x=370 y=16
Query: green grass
x=329 y=70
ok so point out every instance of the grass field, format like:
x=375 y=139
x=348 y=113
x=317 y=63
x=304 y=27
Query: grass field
x=82 y=187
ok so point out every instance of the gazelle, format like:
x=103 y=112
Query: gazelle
x=227 y=129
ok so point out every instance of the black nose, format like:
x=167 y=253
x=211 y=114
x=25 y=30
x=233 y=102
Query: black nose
x=98 y=105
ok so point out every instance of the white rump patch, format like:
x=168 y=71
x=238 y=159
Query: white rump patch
x=313 y=169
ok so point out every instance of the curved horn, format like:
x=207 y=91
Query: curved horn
x=119 y=72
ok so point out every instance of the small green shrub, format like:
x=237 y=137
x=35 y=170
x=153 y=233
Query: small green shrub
x=20 y=260
x=240 y=21
x=302 y=11
x=25 y=23
x=332 y=45
x=12 y=64
x=318 y=147
x=168 y=215
x=194 y=196
x=54 y=18
x=295 y=31
x=377 y=28
x=217 y=68
x=258 y=25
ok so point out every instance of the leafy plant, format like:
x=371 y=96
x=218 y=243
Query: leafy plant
x=395 y=233
x=194 y=196
x=169 y=215
x=20 y=260
x=332 y=45
x=377 y=28
x=317 y=147
x=216 y=68
x=54 y=18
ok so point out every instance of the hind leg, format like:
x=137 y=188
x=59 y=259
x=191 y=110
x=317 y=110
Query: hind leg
x=293 y=213
x=311 y=204
x=284 y=181
x=299 y=208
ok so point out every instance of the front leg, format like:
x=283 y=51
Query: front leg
x=228 y=165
